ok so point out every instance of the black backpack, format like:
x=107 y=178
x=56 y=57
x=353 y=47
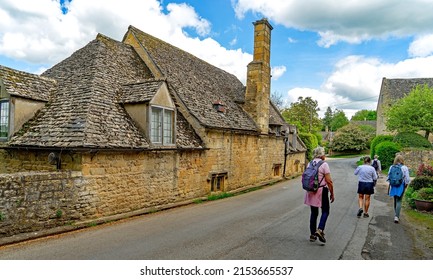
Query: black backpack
x=375 y=164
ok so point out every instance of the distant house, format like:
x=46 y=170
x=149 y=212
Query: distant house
x=140 y=123
x=391 y=91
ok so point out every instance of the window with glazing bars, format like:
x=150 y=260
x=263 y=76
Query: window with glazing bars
x=162 y=126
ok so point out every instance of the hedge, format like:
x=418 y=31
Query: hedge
x=376 y=141
x=386 y=151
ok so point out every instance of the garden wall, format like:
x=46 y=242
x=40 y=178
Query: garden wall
x=413 y=158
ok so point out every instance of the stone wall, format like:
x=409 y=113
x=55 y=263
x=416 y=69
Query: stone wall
x=413 y=158
x=103 y=184
x=32 y=201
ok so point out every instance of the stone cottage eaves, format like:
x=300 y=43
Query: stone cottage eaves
x=84 y=112
x=26 y=85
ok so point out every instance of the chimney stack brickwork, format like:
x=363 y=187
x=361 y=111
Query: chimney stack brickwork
x=259 y=76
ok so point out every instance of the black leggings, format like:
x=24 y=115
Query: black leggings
x=315 y=213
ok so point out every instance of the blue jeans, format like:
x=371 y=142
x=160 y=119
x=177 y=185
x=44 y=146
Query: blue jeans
x=315 y=213
x=397 y=205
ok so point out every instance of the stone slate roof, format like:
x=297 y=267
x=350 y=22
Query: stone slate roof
x=25 y=85
x=275 y=118
x=398 y=88
x=139 y=92
x=85 y=113
x=199 y=84
x=86 y=92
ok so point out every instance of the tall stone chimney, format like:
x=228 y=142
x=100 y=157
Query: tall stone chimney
x=259 y=76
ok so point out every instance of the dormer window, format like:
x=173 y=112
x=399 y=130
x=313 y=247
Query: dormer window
x=219 y=106
x=4 y=114
x=162 y=126
x=4 y=118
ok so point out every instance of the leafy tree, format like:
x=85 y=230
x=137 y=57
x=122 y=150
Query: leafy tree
x=413 y=112
x=339 y=120
x=327 y=119
x=304 y=114
x=333 y=120
x=364 y=115
x=351 y=138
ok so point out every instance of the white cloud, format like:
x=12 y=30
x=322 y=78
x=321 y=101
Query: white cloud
x=347 y=21
x=277 y=72
x=23 y=38
x=422 y=46
x=355 y=82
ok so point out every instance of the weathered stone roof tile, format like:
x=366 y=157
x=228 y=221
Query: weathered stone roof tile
x=26 y=85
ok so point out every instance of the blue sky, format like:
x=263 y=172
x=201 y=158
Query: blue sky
x=336 y=52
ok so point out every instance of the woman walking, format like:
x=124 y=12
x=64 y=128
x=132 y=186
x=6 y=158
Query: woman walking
x=367 y=178
x=320 y=198
x=398 y=172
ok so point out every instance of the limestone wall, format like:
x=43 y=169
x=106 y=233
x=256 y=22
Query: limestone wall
x=32 y=201
x=413 y=158
x=102 y=184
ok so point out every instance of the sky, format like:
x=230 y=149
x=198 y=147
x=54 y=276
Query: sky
x=336 y=52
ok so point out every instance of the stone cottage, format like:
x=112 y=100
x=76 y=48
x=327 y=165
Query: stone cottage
x=391 y=91
x=119 y=127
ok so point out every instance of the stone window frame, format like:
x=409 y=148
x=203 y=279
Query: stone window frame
x=164 y=134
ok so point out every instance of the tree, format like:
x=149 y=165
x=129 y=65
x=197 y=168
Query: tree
x=364 y=115
x=413 y=112
x=339 y=120
x=303 y=114
x=333 y=120
x=327 y=119
x=277 y=99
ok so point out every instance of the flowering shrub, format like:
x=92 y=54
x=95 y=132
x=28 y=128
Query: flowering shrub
x=424 y=170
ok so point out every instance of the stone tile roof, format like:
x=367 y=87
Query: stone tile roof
x=85 y=113
x=199 y=84
x=398 y=88
x=139 y=92
x=275 y=117
x=26 y=85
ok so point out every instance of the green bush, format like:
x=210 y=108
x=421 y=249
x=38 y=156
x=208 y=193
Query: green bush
x=409 y=196
x=412 y=140
x=310 y=140
x=386 y=151
x=420 y=182
x=424 y=194
x=376 y=141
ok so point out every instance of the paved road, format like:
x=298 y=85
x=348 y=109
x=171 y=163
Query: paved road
x=268 y=224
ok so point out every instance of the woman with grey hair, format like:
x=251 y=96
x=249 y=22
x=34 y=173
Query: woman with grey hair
x=321 y=197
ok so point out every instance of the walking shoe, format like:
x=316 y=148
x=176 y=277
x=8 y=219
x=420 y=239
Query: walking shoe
x=321 y=235
x=359 y=212
x=366 y=215
x=313 y=238
x=396 y=219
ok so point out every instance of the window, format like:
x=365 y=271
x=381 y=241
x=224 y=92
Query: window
x=162 y=126
x=277 y=169
x=4 y=118
x=217 y=182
